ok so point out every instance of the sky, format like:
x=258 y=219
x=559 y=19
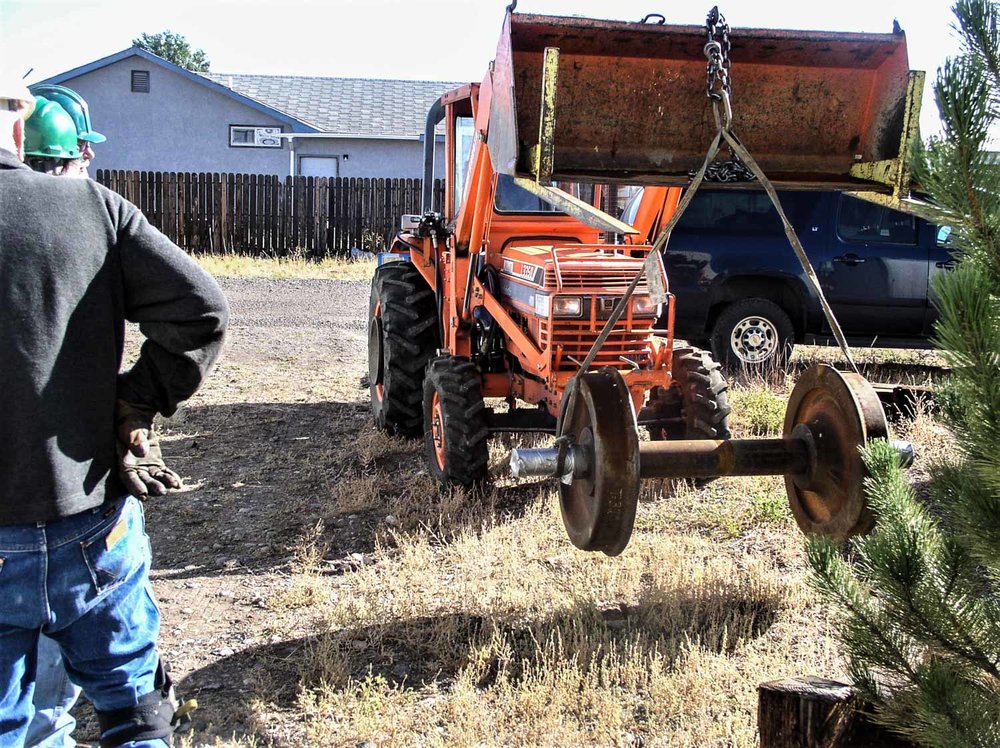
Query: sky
x=448 y=40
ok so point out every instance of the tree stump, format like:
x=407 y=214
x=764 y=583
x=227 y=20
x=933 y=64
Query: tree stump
x=817 y=713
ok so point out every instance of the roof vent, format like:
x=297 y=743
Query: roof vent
x=140 y=81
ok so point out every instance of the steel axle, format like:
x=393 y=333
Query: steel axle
x=693 y=458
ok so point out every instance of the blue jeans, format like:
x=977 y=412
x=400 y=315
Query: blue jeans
x=83 y=581
x=52 y=726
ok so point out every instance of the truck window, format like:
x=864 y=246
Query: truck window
x=862 y=221
x=465 y=131
x=733 y=213
x=512 y=199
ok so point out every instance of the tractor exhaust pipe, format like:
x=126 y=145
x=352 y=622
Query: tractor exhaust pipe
x=434 y=117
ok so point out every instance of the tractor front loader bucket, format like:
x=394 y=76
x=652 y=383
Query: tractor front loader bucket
x=627 y=102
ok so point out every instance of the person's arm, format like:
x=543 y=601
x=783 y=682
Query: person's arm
x=181 y=311
x=183 y=314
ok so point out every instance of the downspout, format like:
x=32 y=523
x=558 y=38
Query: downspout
x=434 y=117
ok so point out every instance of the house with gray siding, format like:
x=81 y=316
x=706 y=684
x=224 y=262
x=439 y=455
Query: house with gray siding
x=158 y=116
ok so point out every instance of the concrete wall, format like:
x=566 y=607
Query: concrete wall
x=181 y=125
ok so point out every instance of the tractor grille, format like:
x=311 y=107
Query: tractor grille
x=573 y=338
x=608 y=280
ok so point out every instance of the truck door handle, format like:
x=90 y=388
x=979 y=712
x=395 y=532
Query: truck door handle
x=849 y=259
x=946 y=264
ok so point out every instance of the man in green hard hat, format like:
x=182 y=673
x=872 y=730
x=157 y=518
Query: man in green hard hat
x=51 y=144
x=76 y=107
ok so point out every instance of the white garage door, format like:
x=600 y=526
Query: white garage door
x=319 y=166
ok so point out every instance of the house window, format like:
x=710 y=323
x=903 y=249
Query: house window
x=252 y=136
x=140 y=81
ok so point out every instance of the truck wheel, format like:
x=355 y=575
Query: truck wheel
x=402 y=338
x=753 y=333
x=696 y=403
x=455 y=430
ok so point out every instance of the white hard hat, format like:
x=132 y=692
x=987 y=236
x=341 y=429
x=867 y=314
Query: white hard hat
x=12 y=89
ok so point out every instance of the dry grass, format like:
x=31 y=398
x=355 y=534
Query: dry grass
x=505 y=635
x=468 y=619
x=476 y=623
x=238 y=266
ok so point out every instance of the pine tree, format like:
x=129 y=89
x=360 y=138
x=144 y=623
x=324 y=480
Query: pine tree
x=919 y=598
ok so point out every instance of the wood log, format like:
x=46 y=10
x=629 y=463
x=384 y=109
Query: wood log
x=813 y=712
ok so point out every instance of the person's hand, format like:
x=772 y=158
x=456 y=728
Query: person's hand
x=140 y=462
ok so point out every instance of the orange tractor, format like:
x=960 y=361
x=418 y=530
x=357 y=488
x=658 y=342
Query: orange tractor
x=520 y=292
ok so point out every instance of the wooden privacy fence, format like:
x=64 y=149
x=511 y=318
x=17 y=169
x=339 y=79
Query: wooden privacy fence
x=260 y=214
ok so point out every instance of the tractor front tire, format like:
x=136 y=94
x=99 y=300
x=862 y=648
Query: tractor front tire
x=696 y=403
x=455 y=430
x=402 y=337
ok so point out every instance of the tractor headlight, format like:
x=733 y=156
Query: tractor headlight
x=567 y=306
x=643 y=306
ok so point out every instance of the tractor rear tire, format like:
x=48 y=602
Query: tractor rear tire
x=455 y=430
x=696 y=401
x=402 y=337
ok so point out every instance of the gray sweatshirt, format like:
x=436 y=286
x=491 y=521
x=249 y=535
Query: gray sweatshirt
x=76 y=261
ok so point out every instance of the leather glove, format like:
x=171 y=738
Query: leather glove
x=140 y=462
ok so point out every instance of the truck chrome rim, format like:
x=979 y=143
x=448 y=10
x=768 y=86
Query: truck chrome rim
x=754 y=339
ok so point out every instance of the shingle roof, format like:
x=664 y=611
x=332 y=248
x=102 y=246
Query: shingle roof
x=344 y=106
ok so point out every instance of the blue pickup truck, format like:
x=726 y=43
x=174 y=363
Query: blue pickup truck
x=740 y=288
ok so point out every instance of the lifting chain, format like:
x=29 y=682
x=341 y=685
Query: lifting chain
x=717 y=51
x=719 y=90
x=728 y=171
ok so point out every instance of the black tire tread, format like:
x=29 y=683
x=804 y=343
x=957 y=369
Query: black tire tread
x=723 y=327
x=698 y=396
x=459 y=387
x=410 y=340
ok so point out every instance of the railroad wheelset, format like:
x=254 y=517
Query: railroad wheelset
x=601 y=462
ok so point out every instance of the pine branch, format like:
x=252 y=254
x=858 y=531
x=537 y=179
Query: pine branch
x=966 y=648
x=982 y=36
x=833 y=577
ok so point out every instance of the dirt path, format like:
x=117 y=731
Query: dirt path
x=256 y=446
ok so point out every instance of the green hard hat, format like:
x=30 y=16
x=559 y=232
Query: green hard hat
x=50 y=132
x=75 y=106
